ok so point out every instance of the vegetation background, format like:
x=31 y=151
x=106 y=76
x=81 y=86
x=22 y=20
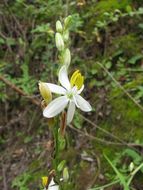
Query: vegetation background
x=106 y=44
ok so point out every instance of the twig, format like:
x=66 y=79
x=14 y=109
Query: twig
x=13 y=121
x=104 y=141
x=13 y=16
x=97 y=173
x=105 y=41
x=96 y=138
x=32 y=120
x=67 y=7
x=101 y=129
x=120 y=86
x=107 y=185
x=19 y=91
x=4 y=178
x=3 y=36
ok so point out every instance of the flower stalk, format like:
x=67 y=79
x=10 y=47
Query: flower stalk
x=69 y=98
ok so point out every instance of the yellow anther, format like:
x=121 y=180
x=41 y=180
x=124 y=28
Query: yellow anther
x=45 y=181
x=77 y=79
x=74 y=76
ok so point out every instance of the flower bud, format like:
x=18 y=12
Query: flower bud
x=67 y=21
x=59 y=27
x=65 y=174
x=45 y=92
x=131 y=166
x=66 y=36
x=67 y=57
x=59 y=41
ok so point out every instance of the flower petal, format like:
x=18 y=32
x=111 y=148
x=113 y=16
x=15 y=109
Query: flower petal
x=81 y=89
x=70 y=113
x=83 y=104
x=56 y=88
x=55 y=107
x=53 y=186
x=74 y=99
x=63 y=78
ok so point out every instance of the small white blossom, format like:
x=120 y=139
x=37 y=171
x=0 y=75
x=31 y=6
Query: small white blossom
x=70 y=91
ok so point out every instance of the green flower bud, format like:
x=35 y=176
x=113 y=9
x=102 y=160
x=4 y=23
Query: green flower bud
x=65 y=174
x=61 y=165
x=67 y=21
x=66 y=36
x=131 y=166
x=67 y=57
x=59 y=41
x=59 y=27
x=45 y=92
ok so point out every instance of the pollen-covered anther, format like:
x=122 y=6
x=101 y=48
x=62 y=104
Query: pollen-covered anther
x=45 y=181
x=77 y=79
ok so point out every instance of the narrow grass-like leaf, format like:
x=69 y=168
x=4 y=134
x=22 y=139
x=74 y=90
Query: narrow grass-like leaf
x=120 y=176
x=105 y=186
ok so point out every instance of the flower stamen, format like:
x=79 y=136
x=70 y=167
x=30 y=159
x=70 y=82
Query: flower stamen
x=45 y=181
x=77 y=79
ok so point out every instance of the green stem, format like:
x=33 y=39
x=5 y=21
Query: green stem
x=120 y=176
x=134 y=172
x=56 y=146
x=107 y=185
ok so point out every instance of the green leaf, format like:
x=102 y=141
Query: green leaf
x=28 y=139
x=61 y=141
x=128 y=8
x=10 y=41
x=108 y=64
x=140 y=25
x=134 y=155
x=120 y=176
x=2 y=41
x=140 y=10
x=135 y=58
x=78 y=121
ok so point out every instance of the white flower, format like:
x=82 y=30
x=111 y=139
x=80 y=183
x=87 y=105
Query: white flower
x=70 y=91
x=53 y=185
